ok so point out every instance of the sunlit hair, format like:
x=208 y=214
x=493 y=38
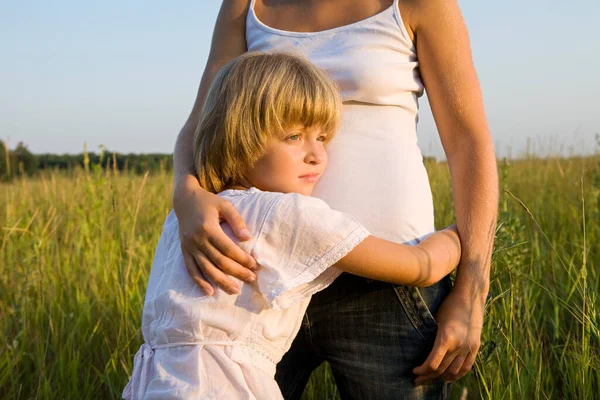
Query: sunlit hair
x=253 y=97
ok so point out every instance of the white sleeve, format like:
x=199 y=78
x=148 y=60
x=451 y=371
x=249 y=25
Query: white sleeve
x=300 y=239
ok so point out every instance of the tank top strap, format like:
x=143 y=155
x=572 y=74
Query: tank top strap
x=393 y=11
x=395 y=4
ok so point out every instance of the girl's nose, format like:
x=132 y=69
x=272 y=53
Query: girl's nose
x=315 y=154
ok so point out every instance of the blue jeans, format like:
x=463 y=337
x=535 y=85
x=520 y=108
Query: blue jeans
x=372 y=334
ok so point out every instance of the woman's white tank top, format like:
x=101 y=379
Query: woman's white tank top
x=375 y=170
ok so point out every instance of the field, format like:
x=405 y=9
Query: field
x=76 y=249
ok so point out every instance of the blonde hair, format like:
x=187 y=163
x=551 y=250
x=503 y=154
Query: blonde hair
x=252 y=97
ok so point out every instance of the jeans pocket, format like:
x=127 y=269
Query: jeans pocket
x=420 y=305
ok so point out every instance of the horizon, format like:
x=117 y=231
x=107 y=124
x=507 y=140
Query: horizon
x=521 y=156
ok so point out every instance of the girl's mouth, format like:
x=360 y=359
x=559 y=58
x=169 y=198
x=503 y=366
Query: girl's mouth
x=309 y=177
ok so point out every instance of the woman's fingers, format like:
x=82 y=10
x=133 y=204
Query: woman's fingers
x=429 y=368
x=452 y=372
x=432 y=372
x=467 y=365
x=226 y=260
x=209 y=254
x=194 y=271
x=229 y=249
x=450 y=359
x=434 y=359
x=215 y=275
x=446 y=348
x=441 y=371
x=216 y=261
x=235 y=221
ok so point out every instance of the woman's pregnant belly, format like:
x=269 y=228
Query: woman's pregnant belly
x=376 y=173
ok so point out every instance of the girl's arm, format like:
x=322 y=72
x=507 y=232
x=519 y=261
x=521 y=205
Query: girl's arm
x=421 y=265
x=207 y=250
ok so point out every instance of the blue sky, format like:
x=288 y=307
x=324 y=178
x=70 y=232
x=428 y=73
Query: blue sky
x=124 y=74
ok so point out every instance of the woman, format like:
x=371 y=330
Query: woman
x=380 y=340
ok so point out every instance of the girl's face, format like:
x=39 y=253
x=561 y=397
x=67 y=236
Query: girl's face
x=293 y=163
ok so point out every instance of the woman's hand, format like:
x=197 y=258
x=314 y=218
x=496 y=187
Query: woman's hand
x=209 y=254
x=457 y=341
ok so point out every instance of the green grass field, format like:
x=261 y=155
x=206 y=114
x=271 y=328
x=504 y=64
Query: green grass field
x=76 y=251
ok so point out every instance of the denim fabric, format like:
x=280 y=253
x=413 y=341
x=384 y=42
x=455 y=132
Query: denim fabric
x=372 y=333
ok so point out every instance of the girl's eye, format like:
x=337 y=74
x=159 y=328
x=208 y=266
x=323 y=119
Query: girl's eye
x=294 y=137
x=322 y=138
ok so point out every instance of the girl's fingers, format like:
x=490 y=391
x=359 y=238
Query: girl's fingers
x=194 y=271
x=227 y=265
x=215 y=275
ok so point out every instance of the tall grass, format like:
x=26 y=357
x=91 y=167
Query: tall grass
x=75 y=254
x=541 y=338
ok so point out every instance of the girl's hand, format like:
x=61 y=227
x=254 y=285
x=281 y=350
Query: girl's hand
x=209 y=254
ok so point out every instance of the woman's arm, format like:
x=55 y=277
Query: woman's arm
x=447 y=70
x=421 y=265
x=207 y=250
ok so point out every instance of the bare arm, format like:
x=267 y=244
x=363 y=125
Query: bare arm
x=207 y=250
x=421 y=265
x=228 y=42
x=447 y=69
x=457 y=104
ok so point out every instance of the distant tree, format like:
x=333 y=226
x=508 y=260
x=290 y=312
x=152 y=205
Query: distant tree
x=24 y=160
x=4 y=162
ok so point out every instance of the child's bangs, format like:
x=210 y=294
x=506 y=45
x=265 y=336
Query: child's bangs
x=308 y=98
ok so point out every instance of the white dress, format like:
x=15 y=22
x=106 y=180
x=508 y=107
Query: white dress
x=226 y=346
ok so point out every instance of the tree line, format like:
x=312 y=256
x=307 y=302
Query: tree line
x=20 y=161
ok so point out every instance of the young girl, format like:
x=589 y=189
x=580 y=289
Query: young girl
x=261 y=145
